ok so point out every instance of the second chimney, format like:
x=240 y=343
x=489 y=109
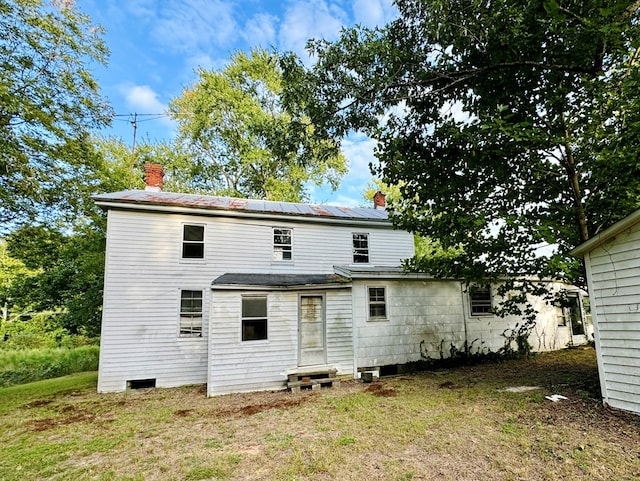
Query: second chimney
x=154 y=177
x=379 y=200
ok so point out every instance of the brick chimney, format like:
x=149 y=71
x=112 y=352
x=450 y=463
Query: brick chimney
x=379 y=200
x=154 y=175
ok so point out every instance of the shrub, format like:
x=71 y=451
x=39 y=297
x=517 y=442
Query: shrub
x=28 y=365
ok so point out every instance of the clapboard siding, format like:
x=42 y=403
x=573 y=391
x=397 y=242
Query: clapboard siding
x=248 y=366
x=144 y=274
x=339 y=330
x=416 y=312
x=613 y=273
x=427 y=318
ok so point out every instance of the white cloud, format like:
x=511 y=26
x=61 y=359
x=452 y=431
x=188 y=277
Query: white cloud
x=144 y=101
x=310 y=19
x=358 y=149
x=142 y=98
x=260 y=30
x=193 y=26
x=372 y=13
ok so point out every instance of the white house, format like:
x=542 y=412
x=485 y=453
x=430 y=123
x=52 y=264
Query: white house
x=612 y=261
x=244 y=294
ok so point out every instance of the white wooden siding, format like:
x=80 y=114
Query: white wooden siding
x=613 y=271
x=144 y=274
x=437 y=314
x=237 y=366
x=547 y=335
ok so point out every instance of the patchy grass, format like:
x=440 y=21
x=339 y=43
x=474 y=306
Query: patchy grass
x=456 y=424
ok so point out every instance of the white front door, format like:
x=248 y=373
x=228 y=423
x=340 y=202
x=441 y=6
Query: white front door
x=311 y=331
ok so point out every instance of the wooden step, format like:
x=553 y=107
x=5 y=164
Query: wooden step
x=307 y=374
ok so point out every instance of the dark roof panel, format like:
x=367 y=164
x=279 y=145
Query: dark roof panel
x=278 y=280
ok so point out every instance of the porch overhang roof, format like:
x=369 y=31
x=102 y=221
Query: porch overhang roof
x=246 y=281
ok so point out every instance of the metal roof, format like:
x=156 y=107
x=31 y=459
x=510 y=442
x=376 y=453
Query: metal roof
x=142 y=199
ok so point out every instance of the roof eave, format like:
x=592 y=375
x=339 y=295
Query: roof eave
x=609 y=233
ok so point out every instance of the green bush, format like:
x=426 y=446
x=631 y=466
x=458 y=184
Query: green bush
x=40 y=330
x=28 y=365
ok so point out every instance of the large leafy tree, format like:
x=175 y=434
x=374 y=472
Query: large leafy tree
x=242 y=140
x=511 y=127
x=66 y=274
x=65 y=257
x=48 y=103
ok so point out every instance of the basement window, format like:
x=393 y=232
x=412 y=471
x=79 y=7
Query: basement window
x=193 y=241
x=190 y=313
x=282 y=244
x=480 y=300
x=360 y=248
x=254 y=318
x=141 y=383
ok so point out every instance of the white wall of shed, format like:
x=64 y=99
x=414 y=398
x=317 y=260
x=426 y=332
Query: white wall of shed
x=613 y=274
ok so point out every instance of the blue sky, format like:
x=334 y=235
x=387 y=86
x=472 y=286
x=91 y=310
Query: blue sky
x=157 y=45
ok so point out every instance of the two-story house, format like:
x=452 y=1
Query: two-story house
x=240 y=293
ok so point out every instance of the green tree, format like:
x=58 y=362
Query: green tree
x=11 y=270
x=65 y=256
x=48 y=102
x=124 y=169
x=511 y=127
x=427 y=250
x=242 y=140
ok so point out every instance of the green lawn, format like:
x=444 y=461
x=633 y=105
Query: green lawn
x=458 y=424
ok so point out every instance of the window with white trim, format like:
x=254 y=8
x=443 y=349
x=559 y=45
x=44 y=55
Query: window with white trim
x=254 y=318
x=282 y=244
x=480 y=300
x=377 y=303
x=190 y=313
x=192 y=241
x=360 y=248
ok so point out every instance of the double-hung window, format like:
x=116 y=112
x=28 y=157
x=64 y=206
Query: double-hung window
x=480 y=300
x=360 y=248
x=282 y=244
x=254 y=318
x=377 y=303
x=190 y=313
x=193 y=241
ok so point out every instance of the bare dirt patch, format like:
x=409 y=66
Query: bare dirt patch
x=378 y=389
